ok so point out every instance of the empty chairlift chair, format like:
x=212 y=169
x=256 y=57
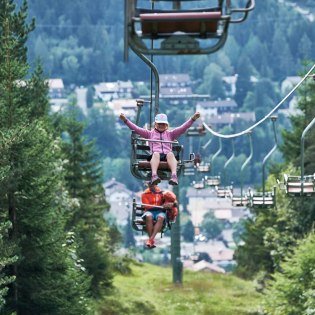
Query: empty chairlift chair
x=214 y=180
x=226 y=191
x=301 y=185
x=189 y=169
x=263 y=200
x=196 y=131
x=295 y=186
x=179 y=30
x=203 y=168
x=199 y=184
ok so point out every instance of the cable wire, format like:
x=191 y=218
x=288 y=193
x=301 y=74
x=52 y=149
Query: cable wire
x=234 y=135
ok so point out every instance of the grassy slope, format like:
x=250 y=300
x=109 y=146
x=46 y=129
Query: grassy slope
x=149 y=290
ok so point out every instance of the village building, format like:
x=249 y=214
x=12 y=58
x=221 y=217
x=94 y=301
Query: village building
x=120 y=200
x=56 y=94
x=107 y=91
x=208 y=109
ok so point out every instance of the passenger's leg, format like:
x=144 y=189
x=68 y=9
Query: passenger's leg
x=155 y=161
x=172 y=162
x=149 y=224
x=157 y=227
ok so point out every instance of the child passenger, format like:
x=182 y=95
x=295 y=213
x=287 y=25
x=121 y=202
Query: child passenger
x=161 y=151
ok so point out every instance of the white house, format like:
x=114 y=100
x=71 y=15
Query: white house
x=108 y=91
x=57 y=98
x=120 y=199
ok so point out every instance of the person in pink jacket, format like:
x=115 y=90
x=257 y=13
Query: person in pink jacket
x=161 y=151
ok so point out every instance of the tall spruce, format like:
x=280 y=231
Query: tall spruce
x=48 y=280
x=84 y=178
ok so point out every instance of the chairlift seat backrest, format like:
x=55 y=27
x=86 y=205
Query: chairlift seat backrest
x=186 y=22
x=213 y=181
x=223 y=192
x=203 y=168
x=140 y=166
x=294 y=185
x=199 y=185
x=239 y=201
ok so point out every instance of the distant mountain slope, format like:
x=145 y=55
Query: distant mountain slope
x=82 y=41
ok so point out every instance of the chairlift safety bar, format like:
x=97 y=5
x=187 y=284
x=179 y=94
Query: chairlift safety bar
x=161 y=141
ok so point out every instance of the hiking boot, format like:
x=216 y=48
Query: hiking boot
x=150 y=244
x=173 y=181
x=155 y=180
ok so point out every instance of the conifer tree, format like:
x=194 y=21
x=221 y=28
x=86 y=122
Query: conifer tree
x=32 y=194
x=84 y=177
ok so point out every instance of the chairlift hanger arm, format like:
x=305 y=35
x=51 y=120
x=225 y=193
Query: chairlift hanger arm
x=251 y=152
x=305 y=131
x=218 y=152
x=207 y=144
x=273 y=119
x=235 y=135
x=231 y=157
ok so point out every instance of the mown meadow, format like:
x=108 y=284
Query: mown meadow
x=149 y=290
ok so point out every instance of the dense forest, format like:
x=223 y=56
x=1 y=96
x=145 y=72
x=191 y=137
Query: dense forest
x=56 y=249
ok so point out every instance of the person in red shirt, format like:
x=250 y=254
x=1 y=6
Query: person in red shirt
x=156 y=204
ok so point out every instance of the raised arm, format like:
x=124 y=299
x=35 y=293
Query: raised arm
x=175 y=133
x=140 y=131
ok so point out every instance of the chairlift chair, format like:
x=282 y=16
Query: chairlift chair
x=189 y=169
x=240 y=201
x=196 y=131
x=140 y=167
x=199 y=185
x=263 y=200
x=177 y=31
x=224 y=192
x=203 y=168
x=301 y=185
x=213 y=181
x=296 y=186
x=137 y=221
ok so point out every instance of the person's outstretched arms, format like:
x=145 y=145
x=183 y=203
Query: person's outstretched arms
x=175 y=133
x=140 y=131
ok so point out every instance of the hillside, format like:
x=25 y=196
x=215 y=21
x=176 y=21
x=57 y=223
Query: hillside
x=149 y=290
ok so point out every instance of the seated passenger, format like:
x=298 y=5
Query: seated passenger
x=161 y=151
x=155 y=218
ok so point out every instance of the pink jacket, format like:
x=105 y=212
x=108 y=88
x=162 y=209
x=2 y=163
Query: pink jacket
x=167 y=135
